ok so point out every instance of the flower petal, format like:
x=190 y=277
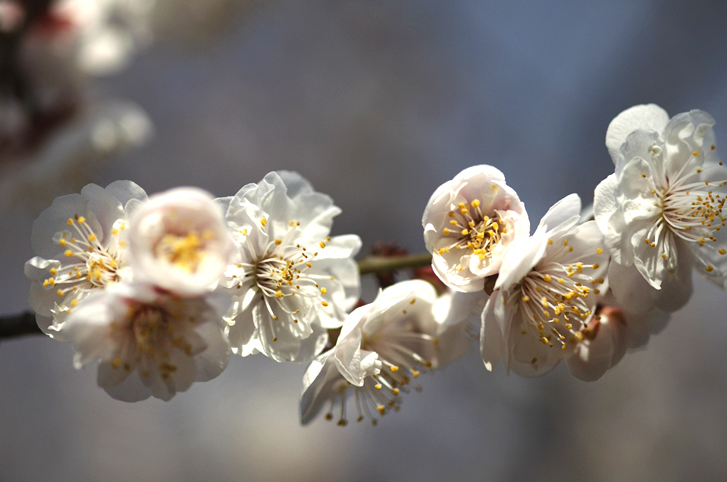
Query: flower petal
x=649 y=116
x=491 y=335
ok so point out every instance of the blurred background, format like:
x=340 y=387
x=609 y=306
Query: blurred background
x=377 y=103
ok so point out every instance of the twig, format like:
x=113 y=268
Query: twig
x=19 y=325
x=377 y=264
x=24 y=323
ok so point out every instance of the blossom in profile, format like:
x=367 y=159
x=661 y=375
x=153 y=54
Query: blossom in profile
x=290 y=281
x=81 y=243
x=609 y=333
x=179 y=241
x=545 y=293
x=603 y=345
x=148 y=342
x=662 y=211
x=382 y=347
x=469 y=223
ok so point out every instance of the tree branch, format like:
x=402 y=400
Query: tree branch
x=378 y=264
x=18 y=325
x=21 y=324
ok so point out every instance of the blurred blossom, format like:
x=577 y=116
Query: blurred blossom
x=52 y=135
x=50 y=163
x=105 y=33
x=200 y=21
x=11 y=15
x=179 y=241
x=149 y=342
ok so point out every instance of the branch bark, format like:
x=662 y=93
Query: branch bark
x=21 y=324
x=12 y=326
x=378 y=264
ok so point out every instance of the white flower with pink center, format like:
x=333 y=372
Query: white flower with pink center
x=179 y=241
x=468 y=224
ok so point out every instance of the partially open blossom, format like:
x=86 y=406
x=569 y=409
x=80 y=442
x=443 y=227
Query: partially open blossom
x=291 y=281
x=638 y=326
x=544 y=294
x=149 y=342
x=179 y=241
x=662 y=211
x=81 y=242
x=603 y=345
x=468 y=224
x=381 y=348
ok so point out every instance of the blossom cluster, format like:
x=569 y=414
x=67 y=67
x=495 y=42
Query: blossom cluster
x=579 y=289
x=163 y=289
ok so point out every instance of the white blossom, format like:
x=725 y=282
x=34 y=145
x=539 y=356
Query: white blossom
x=148 y=341
x=291 y=281
x=179 y=241
x=468 y=224
x=81 y=243
x=457 y=316
x=662 y=210
x=544 y=294
x=603 y=345
x=381 y=348
x=609 y=333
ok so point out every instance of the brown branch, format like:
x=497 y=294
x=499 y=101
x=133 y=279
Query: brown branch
x=21 y=324
x=378 y=264
x=18 y=325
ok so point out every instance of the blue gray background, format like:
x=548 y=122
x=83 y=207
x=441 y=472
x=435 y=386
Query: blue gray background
x=377 y=103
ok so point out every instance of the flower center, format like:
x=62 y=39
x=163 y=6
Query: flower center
x=471 y=229
x=399 y=351
x=691 y=209
x=281 y=274
x=147 y=337
x=553 y=299
x=95 y=266
x=186 y=251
